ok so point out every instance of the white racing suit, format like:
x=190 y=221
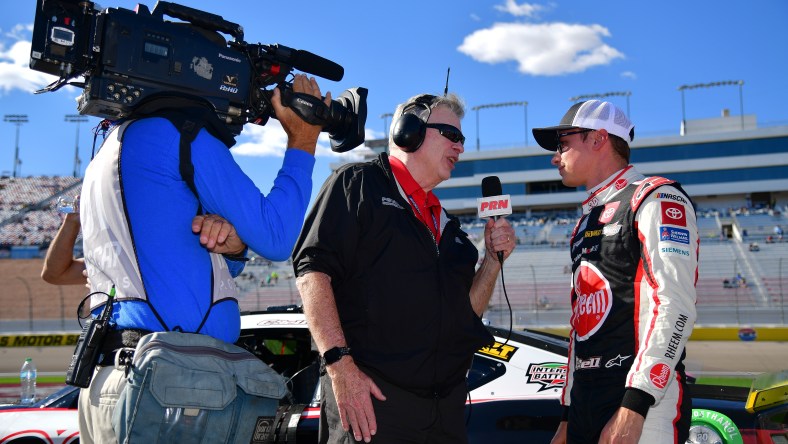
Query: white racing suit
x=634 y=269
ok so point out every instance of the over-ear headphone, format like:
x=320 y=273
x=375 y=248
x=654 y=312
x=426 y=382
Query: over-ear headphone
x=409 y=130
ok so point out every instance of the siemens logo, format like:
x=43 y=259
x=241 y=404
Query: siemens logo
x=677 y=251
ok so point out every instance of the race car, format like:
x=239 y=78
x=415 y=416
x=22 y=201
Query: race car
x=52 y=420
x=514 y=386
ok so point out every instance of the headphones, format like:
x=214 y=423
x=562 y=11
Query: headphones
x=410 y=129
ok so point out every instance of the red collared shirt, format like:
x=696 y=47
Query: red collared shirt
x=422 y=203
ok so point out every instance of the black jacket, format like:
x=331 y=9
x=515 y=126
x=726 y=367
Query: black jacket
x=403 y=301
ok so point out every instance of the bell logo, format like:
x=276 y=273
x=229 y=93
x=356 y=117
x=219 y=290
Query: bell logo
x=593 y=301
x=659 y=375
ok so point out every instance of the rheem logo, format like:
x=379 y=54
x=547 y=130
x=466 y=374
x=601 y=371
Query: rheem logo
x=660 y=375
x=593 y=301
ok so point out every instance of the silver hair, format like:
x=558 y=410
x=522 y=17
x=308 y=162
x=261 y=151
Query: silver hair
x=450 y=100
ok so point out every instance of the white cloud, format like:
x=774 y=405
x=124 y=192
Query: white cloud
x=15 y=72
x=523 y=10
x=629 y=75
x=545 y=49
x=271 y=140
x=19 y=31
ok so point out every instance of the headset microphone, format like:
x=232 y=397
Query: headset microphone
x=494 y=203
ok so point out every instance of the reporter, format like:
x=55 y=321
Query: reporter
x=390 y=289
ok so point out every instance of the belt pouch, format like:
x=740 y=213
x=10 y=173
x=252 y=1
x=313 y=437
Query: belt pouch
x=186 y=387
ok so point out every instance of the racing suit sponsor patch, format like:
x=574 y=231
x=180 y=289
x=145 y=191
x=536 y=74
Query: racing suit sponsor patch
x=547 y=374
x=617 y=361
x=673 y=197
x=592 y=233
x=675 y=339
x=671 y=234
x=593 y=301
x=674 y=251
x=659 y=375
x=612 y=229
x=620 y=184
x=592 y=362
x=673 y=214
x=608 y=212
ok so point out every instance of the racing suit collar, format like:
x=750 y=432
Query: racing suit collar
x=610 y=186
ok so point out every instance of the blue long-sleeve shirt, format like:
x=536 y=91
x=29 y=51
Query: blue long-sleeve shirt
x=175 y=268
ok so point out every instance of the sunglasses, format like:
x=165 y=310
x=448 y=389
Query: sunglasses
x=561 y=147
x=448 y=131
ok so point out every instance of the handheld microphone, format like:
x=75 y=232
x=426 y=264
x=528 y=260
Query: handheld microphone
x=494 y=203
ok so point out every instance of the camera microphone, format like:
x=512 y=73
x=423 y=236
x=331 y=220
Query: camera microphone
x=494 y=203
x=310 y=63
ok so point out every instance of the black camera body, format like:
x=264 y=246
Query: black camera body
x=129 y=57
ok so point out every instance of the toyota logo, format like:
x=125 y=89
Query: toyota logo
x=608 y=213
x=674 y=213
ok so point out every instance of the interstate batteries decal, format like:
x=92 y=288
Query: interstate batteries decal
x=547 y=374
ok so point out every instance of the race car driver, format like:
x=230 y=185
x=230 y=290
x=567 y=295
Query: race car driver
x=634 y=255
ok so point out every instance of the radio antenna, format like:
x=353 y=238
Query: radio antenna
x=446 y=89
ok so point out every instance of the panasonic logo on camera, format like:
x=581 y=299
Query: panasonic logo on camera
x=234 y=59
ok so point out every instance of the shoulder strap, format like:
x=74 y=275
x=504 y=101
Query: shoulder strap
x=189 y=116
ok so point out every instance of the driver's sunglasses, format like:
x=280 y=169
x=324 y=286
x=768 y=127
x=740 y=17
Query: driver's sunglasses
x=448 y=131
x=561 y=147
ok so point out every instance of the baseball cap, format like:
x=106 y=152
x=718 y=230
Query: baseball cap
x=591 y=114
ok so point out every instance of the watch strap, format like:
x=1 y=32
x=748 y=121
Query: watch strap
x=331 y=356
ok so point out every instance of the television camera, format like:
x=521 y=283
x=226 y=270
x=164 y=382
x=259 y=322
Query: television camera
x=126 y=58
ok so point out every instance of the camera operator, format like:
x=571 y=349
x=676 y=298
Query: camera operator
x=136 y=203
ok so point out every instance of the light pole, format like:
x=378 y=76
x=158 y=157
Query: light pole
x=76 y=118
x=740 y=83
x=18 y=120
x=501 y=105
x=385 y=117
x=602 y=96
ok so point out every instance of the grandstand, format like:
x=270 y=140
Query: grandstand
x=27 y=209
x=739 y=210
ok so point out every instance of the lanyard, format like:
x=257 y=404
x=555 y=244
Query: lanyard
x=435 y=228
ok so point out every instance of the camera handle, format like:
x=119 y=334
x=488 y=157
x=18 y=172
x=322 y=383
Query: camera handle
x=309 y=108
x=199 y=18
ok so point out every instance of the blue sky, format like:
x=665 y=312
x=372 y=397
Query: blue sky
x=499 y=51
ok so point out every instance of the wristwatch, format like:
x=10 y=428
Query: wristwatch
x=335 y=354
